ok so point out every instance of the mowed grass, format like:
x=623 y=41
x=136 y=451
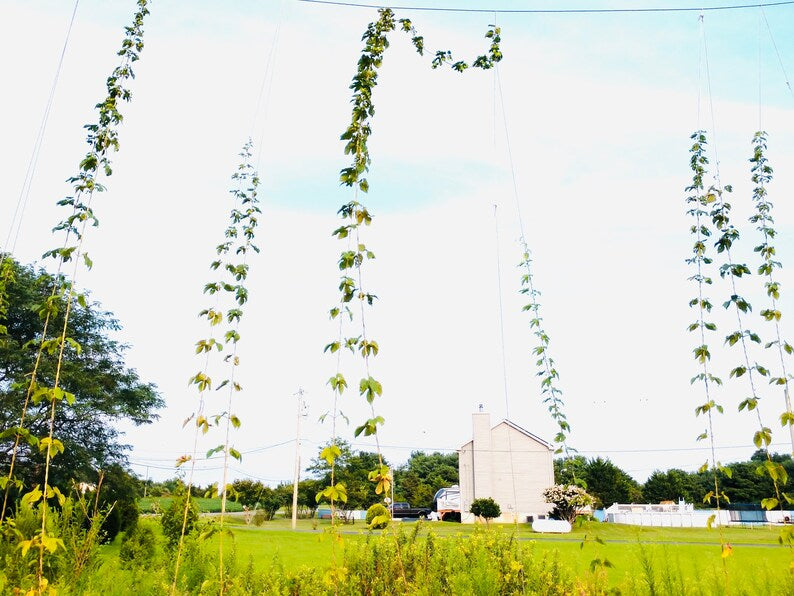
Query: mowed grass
x=147 y=505
x=633 y=551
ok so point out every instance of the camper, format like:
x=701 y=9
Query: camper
x=446 y=503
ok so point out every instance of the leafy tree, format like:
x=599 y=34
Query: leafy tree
x=248 y=492
x=604 y=481
x=422 y=475
x=105 y=389
x=351 y=469
x=568 y=500
x=270 y=501
x=672 y=485
x=119 y=492
x=570 y=470
x=307 y=496
x=486 y=508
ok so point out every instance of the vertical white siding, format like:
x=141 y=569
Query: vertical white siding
x=507 y=465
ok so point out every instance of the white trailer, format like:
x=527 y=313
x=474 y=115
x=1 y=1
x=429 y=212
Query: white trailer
x=446 y=503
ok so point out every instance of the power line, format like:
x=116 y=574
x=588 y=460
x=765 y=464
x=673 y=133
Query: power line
x=552 y=10
x=247 y=452
x=24 y=193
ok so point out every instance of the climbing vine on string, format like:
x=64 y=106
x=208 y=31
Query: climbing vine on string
x=547 y=371
x=356 y=216
x=230 y=294
x=701 y=203
x=761 y=176
x=103 y=139
x=742 y=336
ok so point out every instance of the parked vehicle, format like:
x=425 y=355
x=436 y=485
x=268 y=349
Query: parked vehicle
x=403 y=510
x=446 y=502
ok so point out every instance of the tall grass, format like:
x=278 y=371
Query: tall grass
x=395 y=561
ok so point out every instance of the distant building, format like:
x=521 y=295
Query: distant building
x=508 y=464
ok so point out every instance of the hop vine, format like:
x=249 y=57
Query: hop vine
x=761 y=177
x=701 y=203
x=103 y=139
x=230 y=285
x=547 y=371
x=743 y=336
x=355 y=218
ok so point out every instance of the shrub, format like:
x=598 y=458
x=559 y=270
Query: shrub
x=260 y=517
x=486 y=508
x=567 y=499
x=174 y=516
x=138 y=546
x=378 y=517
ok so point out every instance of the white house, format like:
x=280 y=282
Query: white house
x=508 y=464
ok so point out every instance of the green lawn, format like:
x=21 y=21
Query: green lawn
x=205 y=505
x=684 y=554
x=689 y=552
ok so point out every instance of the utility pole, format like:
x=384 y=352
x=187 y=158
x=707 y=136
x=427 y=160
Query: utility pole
x=146 y=482
x=302 y=411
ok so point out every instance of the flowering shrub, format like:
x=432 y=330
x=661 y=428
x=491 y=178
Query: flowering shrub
x=567 y=499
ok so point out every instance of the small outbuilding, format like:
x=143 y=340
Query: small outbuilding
x=508 y=464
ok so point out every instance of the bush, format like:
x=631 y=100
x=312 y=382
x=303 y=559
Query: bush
x=260 y=517
x=567 y=499
x=173 y=518
x=138 y=546
x=119 y=490
x=378 y=517
x=487 y=508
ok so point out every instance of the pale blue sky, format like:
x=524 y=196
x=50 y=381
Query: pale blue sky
x=599 y=109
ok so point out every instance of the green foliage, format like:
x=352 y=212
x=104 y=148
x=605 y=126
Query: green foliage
x=378 y=517
x=355 y=214
x=6 y=278
x=422 y=475
x=547 y=371
x=270 y=501
x=248 y=492
x=118 y=493
x=260 y=517
x=228 y=289
x=179 y=519
x=672 y=485
x=605 y=481
x=761 y=177
x=568 y=500
x=351 y=470
x=74 y=528
x=229 y=294
x=139 y=546
x=104 y=388
x=700 y=203
x=486 y=508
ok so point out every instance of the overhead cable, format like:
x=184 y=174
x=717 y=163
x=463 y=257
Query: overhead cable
x=16 y=220
x=553 y=10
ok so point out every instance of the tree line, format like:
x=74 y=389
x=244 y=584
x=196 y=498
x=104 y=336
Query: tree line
x=609 y=484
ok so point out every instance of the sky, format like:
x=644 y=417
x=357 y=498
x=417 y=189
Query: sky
x=596 y=109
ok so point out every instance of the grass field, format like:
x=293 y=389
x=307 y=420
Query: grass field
x=688 y=552
x=643 y=560
x=205 y=505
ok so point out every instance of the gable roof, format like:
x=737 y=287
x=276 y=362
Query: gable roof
x=525 y=432
x=517 y=428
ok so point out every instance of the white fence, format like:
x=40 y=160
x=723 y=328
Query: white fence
x=684 y=515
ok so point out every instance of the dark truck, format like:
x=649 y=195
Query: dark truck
x=402 y=510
